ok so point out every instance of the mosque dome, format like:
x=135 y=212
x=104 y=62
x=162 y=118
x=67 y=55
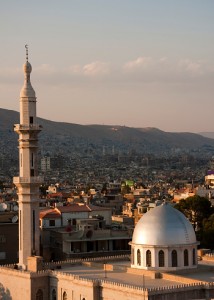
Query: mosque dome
x=164 y=225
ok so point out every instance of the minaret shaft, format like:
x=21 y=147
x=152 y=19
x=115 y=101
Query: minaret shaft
x=28 y=181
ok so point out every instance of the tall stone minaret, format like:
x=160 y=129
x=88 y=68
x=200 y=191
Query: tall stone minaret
x=28 y=181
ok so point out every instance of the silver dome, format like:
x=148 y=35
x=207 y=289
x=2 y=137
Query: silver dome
x=163 y=225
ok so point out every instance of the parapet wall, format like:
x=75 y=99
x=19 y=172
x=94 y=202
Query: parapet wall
x=53 y=265
x=23 y=284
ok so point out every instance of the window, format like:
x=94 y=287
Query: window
x=31 y=120
x=53 y=296
x=132 y=256
x=2 y=239
x=174 y=258
x=161 y=258
x=148 y=258
x=64 y=297
x=186 y=258
x=138 y=257
x=39 y=295
x=51 y=222
x=193 y=257
x=2 y=255
x=31 y=172
x=32 y=160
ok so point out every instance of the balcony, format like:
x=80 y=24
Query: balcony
x=30 y=127
x=33 y=180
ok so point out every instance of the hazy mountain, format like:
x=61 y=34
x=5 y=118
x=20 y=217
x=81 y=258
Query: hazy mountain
x=65 y=137
x=207 y=134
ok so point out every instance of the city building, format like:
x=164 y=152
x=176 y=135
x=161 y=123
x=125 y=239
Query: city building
x=45 y=163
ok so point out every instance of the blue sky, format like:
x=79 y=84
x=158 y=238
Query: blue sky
x=135 y=63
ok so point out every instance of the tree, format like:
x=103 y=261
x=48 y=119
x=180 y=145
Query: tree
x=207 y=235
x=196 y=209
x=4 y=293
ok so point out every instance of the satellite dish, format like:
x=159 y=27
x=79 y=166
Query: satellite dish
x=3 y=206
x=14 y=219
x=15 y=208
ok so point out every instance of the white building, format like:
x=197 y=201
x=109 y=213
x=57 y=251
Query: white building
x=164 y=239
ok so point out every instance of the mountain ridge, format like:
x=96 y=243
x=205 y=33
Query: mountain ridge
x=67 y=135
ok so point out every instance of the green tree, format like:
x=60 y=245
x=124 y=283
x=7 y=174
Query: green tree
x=196 y=209
x=207 y=235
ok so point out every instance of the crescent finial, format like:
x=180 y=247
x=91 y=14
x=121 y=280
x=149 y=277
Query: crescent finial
x=26 y=47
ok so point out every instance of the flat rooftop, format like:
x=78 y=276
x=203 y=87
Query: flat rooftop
x=204 y=273
x=118 y=276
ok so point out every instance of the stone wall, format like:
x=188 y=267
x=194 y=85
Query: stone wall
x=19 y=285
x=24 y=285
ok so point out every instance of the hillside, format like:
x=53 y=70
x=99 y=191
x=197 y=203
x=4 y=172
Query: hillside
x=67 y=137
x=208 y=134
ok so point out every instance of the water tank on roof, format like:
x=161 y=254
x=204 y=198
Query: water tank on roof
x=3 y=206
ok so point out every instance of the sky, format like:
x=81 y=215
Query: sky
x=138 y=63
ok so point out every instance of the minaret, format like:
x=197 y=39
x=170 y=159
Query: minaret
x=28 y=181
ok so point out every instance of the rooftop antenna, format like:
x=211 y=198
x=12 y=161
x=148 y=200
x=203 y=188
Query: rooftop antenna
x=26 y=47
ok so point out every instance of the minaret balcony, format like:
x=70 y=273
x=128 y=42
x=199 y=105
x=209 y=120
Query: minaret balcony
x=31 y=180
x=27 y=127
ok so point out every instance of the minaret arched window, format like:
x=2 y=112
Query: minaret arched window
x=64 y=297
x=161 y=258
x=193 y=257
x=148 y=258
x=186 y=258
x=132 y=256
x=39 y=295
x=32 y=160
x=138 y=257
x=174 y=258
x=53 y=294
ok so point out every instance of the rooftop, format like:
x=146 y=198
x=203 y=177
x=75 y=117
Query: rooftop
x=120 y=272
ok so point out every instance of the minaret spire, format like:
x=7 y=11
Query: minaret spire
x=28 y=181
x=26 y=47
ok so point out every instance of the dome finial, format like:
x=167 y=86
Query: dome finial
x=26 y=47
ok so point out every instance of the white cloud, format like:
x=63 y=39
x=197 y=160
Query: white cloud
x=139 y=63
x=163 y=59
x=142 y=69
x=96 y=68
x=192 y=67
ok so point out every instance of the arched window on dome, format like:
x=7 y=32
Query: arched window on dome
x=161 y=258
x=174 y=258
x=132 y=256
x=39 y=295
x=53 y=296
x=138 y=257
x=193 y=257
x=148 y=258
x=64 y=296
x=186 y=258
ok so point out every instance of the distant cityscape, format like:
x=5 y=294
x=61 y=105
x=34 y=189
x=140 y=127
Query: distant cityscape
x=126 y=216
